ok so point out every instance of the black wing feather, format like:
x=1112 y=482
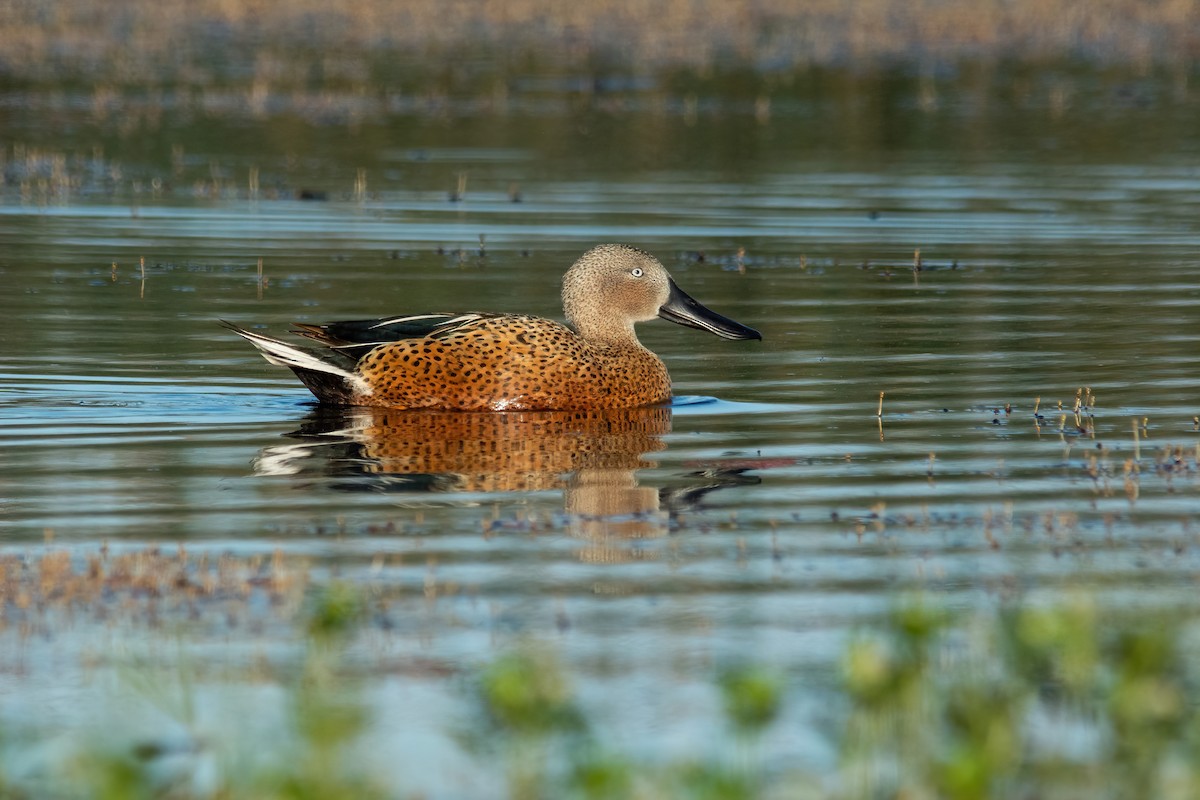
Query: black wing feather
x=357 y=337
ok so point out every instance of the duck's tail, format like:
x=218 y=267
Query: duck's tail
x=328 y=381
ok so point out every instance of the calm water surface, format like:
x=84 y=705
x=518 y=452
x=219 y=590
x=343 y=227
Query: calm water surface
x=765 y=515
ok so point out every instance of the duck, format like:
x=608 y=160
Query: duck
x=484 y=361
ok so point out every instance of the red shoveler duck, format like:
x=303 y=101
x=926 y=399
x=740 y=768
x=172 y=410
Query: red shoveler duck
x=502 y=362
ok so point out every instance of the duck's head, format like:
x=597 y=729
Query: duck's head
x=613 y=286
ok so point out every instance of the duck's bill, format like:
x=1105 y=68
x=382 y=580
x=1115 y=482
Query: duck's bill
x=682 y=308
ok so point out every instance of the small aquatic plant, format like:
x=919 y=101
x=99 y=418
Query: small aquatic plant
x=527 y=701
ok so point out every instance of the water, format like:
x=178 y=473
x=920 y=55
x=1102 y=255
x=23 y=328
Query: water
x=767 y=513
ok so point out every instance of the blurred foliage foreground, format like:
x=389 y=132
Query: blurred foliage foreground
x=1023 y=702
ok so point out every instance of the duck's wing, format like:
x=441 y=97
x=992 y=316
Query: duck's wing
x=357 y=337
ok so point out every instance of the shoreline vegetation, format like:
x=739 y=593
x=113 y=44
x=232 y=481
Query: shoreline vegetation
x=200 y=42
x=136 y=94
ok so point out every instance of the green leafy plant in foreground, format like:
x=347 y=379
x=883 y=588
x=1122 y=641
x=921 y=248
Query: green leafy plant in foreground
x=327 y=713
x=314 y=758
x=988 y=709
x=1029 y=701
x=550 y=751
x=528 y=704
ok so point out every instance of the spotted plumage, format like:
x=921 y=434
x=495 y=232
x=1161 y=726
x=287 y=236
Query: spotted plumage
x=499 y=362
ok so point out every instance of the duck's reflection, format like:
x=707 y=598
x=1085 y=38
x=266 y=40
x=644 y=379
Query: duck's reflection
x=592 y=457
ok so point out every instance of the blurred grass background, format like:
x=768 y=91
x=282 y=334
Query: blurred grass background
x=202 y=41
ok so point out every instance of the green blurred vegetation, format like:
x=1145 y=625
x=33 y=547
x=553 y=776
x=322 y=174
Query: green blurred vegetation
x=312 y=758
x=1052 y=702
x=1047 y=701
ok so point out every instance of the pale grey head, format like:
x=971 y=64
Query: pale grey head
x=613 y=286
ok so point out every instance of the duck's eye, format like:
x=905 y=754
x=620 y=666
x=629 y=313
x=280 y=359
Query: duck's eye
x=636 y=272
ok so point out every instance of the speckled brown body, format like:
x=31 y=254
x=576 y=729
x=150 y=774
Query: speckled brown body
x=509 y=363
